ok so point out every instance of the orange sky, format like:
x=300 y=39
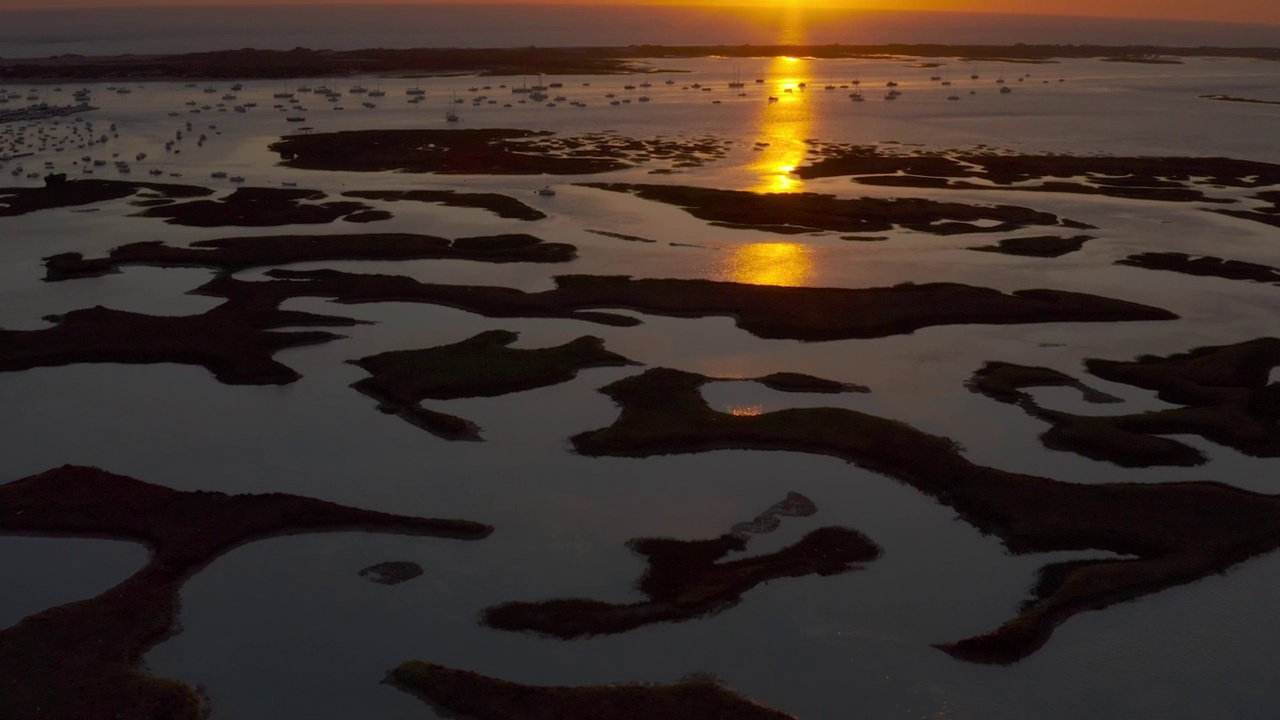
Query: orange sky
x=1245 y=11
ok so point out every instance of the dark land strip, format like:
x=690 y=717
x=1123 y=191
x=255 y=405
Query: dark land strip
x=1225 y=393
x=491 y=151
x=23 y=200
x=1173 y=533
x=503 y=206
x=811 y=314
x=796 y=213
x=686 y=579
x=480 y=366
x=303 y=62
x=228 y=255
x=84 y=659
x=463 y=694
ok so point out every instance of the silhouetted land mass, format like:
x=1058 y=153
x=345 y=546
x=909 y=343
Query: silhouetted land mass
x=1225 y=393
x=235 y=341
x=797 y=313
x=22 y=200
x=391 y=573
x=1044 y=246
x=84 y=659
x=1143 y=60
x=233 y=254
x=795 y=213
x=1006 y=381
x=1204 y=266
x=1167 y=179
x=501 y=205
x=490 y=151
x=1231 y=98
x=480 y=366
x=685 y=579
x=261 y=207
x=466 y=694
x=801 y=383
x=1266 y=214
x=1176 y=533
x=303 y=62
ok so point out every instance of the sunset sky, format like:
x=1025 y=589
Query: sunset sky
x=1246 y=11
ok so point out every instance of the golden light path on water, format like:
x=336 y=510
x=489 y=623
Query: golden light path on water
x=781 y=130
x=784 y=125
x=767 y=263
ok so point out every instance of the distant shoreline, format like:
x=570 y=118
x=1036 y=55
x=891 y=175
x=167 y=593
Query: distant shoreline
x=305 y=63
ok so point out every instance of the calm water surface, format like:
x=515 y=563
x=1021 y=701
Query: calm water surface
x=285 y=627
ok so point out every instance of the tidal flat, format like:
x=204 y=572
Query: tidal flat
x=1015 y=480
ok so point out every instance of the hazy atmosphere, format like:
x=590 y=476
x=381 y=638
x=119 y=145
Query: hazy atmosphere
x=773 y=361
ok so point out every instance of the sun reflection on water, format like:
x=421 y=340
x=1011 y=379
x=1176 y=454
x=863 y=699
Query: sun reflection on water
x=769 y=263
x=782 y=126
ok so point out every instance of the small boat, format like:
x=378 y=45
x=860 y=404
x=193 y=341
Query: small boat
x=737 y=81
